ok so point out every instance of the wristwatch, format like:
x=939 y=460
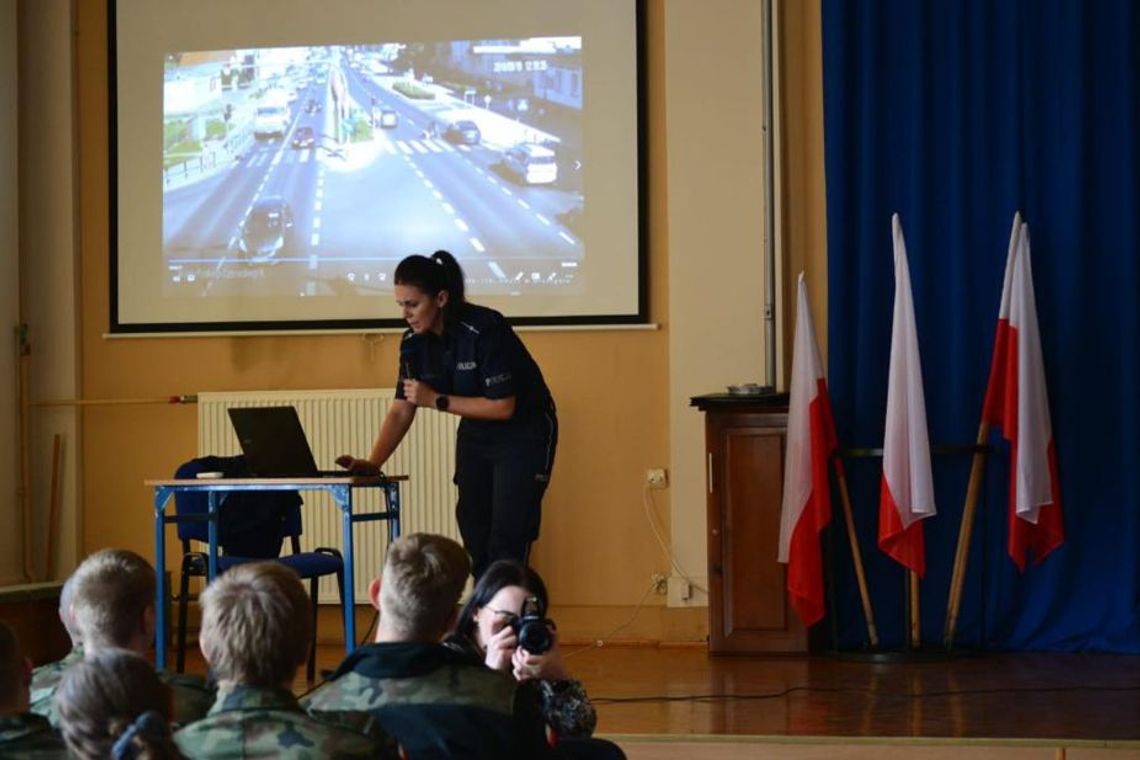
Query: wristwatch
x=442 y=401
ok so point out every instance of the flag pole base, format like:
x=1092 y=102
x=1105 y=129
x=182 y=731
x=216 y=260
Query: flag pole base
x=932 y=653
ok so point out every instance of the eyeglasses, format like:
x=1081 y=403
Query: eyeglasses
x=510 y=616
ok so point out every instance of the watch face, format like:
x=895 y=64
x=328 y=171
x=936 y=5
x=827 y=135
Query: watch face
x=441 y=402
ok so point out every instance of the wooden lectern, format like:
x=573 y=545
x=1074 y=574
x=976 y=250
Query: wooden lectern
x=744 y=459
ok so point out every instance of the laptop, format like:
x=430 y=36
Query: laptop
x=275 y=445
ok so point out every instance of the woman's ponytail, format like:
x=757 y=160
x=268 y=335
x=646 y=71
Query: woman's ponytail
x=453 y=276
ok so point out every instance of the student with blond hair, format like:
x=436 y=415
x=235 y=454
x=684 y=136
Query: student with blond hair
x=436 y=702
x=113 y=607
x=256 y=632
x=22 y=733
x=113 y=705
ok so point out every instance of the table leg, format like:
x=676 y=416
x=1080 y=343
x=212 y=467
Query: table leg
x=212 y=535
x=392 y=494
x=344 y=499
x=161 y=497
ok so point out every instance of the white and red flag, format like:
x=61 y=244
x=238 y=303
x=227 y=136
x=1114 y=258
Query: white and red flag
x=1017 y=400
x=907 y=493
x=807 y=493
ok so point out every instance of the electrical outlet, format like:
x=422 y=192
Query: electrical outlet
x=656 y=478
x=660 y=583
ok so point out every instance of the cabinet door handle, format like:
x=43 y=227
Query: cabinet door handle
x=710 y=477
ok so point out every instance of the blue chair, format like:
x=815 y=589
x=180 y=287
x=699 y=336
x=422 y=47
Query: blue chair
x=192 y=508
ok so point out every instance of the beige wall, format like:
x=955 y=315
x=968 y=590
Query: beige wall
x=617 y=392
x=801 y=202
x=716 y=154
x=47 y=264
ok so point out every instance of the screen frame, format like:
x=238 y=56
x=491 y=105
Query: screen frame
x=117 y=327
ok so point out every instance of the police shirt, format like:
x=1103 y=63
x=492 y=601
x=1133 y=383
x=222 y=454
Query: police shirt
x=478 y=354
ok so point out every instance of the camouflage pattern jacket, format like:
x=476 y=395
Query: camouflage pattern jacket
x=565 y=706
x=46 y=678
x=253 y=722
x=437 y=703
x=191 y=695
x=29 y=736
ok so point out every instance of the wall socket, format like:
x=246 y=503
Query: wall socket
x=660 y=583
x=657 y=478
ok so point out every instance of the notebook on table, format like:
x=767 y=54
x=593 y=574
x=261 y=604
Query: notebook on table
x=275 y=445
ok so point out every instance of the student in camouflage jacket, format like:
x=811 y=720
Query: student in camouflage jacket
x=256 y=631
x=436 y=702
x=22 y=734
x=45 y=678
x=113 y=606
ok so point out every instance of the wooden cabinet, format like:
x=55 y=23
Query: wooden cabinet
x=744 y=459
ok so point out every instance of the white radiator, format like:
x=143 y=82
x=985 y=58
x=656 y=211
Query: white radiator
x=347 y=422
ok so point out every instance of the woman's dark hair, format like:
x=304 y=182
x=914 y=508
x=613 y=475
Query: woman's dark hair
x=431 y=275
x=501 y=573
x=112 y=704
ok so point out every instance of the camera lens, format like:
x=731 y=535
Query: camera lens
x=534 y=635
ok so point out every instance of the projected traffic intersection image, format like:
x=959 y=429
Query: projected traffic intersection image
x=312 y=171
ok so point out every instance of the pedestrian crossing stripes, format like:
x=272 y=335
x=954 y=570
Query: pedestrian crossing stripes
x=287 y=156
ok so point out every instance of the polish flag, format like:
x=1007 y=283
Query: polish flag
x=1017 y=400
x=907 y=493
x=807 y=493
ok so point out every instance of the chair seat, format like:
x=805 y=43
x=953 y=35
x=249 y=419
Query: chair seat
x=306 y=564
x=313 y=564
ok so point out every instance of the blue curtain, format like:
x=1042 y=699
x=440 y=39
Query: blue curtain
x=955 y=114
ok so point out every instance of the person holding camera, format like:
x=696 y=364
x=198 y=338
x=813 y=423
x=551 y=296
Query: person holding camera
x=504 y=625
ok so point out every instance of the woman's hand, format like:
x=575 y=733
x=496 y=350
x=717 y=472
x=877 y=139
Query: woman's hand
x=357 y=466
x=500 y=649
x=547 y=666
x=419 y=393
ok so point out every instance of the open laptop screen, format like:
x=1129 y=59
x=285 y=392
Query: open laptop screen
x=274 y=442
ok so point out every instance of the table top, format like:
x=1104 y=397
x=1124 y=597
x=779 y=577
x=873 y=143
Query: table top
x=355 y=481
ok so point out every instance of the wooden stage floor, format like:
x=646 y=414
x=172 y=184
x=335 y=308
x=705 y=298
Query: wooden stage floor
x=682 y=691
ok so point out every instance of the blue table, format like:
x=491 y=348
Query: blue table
x=341 y=490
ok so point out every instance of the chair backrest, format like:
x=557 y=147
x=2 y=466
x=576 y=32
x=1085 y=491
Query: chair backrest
x=282 y=508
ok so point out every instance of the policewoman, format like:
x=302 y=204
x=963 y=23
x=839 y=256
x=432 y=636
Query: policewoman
x=464 y=359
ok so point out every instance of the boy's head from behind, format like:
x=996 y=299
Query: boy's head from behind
x=423 y=576
x=256 y=625
x=113 y=601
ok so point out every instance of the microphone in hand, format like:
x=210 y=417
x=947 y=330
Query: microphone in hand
x=408 y=360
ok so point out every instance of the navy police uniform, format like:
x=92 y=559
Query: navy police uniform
x=502 y=467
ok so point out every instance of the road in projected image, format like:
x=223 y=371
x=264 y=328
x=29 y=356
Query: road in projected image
x=313 y=171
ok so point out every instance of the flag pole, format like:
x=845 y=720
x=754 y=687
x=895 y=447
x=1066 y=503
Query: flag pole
x=958 y=577
x=915 y=631
x=856 y=555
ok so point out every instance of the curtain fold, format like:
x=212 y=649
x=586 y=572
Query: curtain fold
x=956 y=114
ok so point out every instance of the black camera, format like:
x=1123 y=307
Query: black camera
x=534 y=632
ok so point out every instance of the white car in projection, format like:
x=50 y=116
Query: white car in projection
x=271 y=118
x=531 y=164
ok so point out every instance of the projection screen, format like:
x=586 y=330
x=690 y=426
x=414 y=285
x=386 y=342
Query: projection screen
x=273 y=160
